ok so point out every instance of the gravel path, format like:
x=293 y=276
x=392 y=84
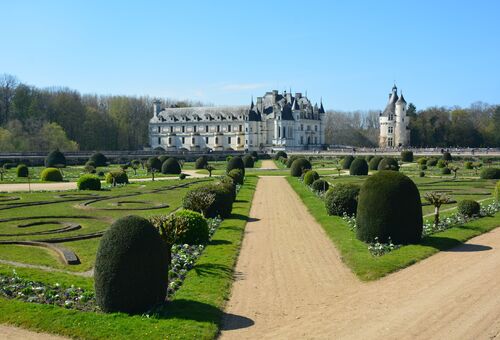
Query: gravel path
x=15 y=333
x=291 y=283
x=268 y=164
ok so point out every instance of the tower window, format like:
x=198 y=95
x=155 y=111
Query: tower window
x=229 y=128
x=159 y=129
x=218 y=128
x=241 y=128
x=206 y=128
x=239 y=140
x=159 y=140
x=183 y=140
x=192 y=140
x=228 y=140
x=194 y=128
x=183 y=129
x=171 y=129
x=390 y=129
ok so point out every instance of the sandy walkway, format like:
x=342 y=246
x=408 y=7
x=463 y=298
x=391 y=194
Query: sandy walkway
x=268 y=164
x=15 y=333
x=292 y=284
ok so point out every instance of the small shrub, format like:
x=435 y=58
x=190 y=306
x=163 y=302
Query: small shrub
x=229 y=183
x=447 y=156
x=51 y=175
x=359 y=167
x=342 y=199
x=182 y=176
x=22 y=170
x=154 y=164
x=299 y=166
x=248 y=161
x=421 y=174
x=388 y=163
x=468 y=208
x=423 y=167
x=374 y=162
x=182 y=227
x=89 y=182
x=201 y=162
x=210 y=200
x=320 y=185
x=346 y=162
x=235 y=163
x=446 y=171
x=280 y=154
x=131 y=267
x=55 y=159
x=101 y=174
x=98 y=159
x=422 y=161
x=468 y=165
x=171 y=166
x=432 y=162
x=407 y=156
x=490 y=173
x=310 y=176
x=117 y=177
x=237 y=176
x=442 y=163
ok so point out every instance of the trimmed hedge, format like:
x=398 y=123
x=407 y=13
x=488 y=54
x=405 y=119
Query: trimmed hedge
x=342 y=199
x=310 y=176
x=189 y=227
x=89 y=182
x=280 y=154
x=468 y=208
x=490 y=173
x=389 y=206
x=55 y=159
x=171 y=166
x=388 y=163
x=22 y=171
x=201 y=162
x=346 y=162
x=248 y=161
x=131 y=267
x=51 y=175
x=407 y=156
x=299 y=166
x=119 y=177
x=374 y=162
x=99 y=159
x=447 y=156
x=235 y=163
x=154 y=164
x=220 y=204
x=359 y=167
x=320 y=185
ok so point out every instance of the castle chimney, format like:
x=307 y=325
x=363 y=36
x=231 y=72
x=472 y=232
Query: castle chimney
x=156 y=107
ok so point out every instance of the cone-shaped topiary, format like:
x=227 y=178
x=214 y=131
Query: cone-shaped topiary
x=389 y=206
x=201 y=162
x=171 y=166
x=131 y=267
x=447 y=156
x=51 y=175
x=374 y=162
x=248 y=161
x=358 y=167
x=280 y=154
x=55 y=159
x=154 y=164
x=299 y=166
x=99 y=159
x=490 y=173
x=89 y=182
x=342 y=199
x=320 y=185
x=235 y=163
x=310 y=176
x=407 y=156
x=468 y=208
x=388 y=163
x=346 y=162
x=22 y=170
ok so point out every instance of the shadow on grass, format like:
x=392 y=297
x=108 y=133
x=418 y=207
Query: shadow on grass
x=212 y=269
x=452 y=245
x=219 y=242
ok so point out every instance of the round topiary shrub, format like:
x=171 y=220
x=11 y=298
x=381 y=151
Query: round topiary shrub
x=163 y=158
x=237 y=176
x=423 y=167
x=89 y=182
x=432 y=162
x=131 y=267
x=310 y=176
x=201 y=162
x=374 y=162
x=280 y=154
x=22 y=170
x=190 y=227
x=171 y=166
x=369 y=158
x=342 y=199
x=442 y=163
x=290 y=160
x=468 y=208
x=210 y=200
x=388 y=163
x=235 y=163
x=154 y=164
x=299 y=166
x=230 y=185
x=254 y=154
x=421 y=174
x=320 y=185
x=490 y=173
x=446 y=171
x=447 y=156
x=407 y=156
x=248 y=161
x=346 y=162
x=51 y=175
x=117 y=177
x=55 y=159
x=359 y=167
x=422 y=161
x=101 y=174
x=389 y=206
x=99 y=159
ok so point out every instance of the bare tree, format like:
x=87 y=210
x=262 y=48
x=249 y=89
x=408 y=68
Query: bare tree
x=8 y=85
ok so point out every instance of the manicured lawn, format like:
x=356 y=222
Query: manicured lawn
x=195 y=311
x=368 y=267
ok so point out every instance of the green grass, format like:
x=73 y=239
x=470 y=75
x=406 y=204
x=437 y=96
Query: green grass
x=355 y=253
x=194 y=313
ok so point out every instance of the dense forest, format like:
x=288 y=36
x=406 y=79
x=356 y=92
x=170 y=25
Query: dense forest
x=34 y=119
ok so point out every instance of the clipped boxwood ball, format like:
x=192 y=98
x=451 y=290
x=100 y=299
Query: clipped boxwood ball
x=22 y=170
x=490 y=173
x=55 y=159
x=342 y=199
x=299 y=166
x=369 y=158
x=190 y=226
x=237 y=176
x=422 y=161
x=468 y=208
x=280 y=154
x=290 y=160
x=423 y=167
x=468 y=165
x=131 y=267
x=99 y=159
x=359 y=167
x=388 y=163
x=310 y=176
x=389 y=206
x=407 y=156
x=432 y=162
x=235 y=163
x=89 y=182
x=117 y=176
x=221 y=202
x=154 y=164
x=163 y=158
x=171 y=166
x=51 y=175
x=346 y=162
x=201 y=162
x=374 y=162
x=248 y=161
x=446 y=171
x=421 y=174
x=320 y=185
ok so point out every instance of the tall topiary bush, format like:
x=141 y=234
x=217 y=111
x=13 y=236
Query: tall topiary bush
x=55 y=159
x=280 y=154
x=490 y=173
x=201 y=162
x=388 y=163
x=342 y=199
x=359 y=167
x=407 y=156
x=51 y=175
x=154 y=164
x=374 y=162
x=248 y=161
x=346 y=162
x=131 y=267
x=99 y=159
x=22 y=170
x=389 y=206
x=88 y=182
x=299 y=166
x=290 y=160
x=171 y=166
x=310 y=176
x=235 y=163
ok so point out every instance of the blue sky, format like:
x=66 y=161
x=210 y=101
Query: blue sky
x=223 y=52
